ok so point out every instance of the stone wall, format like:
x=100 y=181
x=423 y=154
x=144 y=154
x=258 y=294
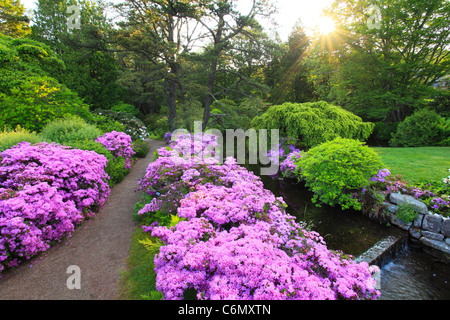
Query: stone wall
x=430 y=229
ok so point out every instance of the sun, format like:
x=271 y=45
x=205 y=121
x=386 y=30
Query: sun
x=326 y=25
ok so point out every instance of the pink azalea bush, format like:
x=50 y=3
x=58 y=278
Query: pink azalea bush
x=119 y=143
x=45 y=191
x=235 y=239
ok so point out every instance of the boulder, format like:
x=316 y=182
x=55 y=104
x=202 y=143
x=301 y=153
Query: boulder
x=399 y=198
x=445 y=229
x=392 y=208
x=418 y=221
x=433 y=235
x=439 y=245
x=432 y=222
x=415 y=233
x=400 y=223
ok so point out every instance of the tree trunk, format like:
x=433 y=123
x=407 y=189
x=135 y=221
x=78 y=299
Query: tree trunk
x=218 y=48
x=209 y=94
x=171 y=100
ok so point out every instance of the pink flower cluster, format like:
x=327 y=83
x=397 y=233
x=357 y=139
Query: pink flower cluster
x=288 y=166
x=45 y=191
x=236 y=241
x=119 y=143
x=286 y=156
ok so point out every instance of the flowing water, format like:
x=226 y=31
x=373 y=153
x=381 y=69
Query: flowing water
x=409 y=275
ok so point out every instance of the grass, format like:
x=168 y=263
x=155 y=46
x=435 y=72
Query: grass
x=138 y=281
x=417 y=164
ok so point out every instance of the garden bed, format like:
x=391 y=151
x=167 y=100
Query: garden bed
x=217 y=233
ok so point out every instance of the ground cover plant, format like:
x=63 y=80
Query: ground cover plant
x=226 y=237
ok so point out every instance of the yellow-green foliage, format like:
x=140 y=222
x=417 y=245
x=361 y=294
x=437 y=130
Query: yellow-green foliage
x=9 y=138
x=313 y=122
x=336 y=169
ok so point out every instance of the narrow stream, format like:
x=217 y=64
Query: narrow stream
x=411 y=275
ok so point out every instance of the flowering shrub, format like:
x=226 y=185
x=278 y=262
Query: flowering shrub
x=167 y=137
x=288 y=166
x=286 y=156
x=45 y=191
x=437 y=198
x=131 y=125
x=196 y=147
x=235 y=240
x=119 y=143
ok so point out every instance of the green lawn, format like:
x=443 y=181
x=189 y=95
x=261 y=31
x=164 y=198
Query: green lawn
x=425 y=163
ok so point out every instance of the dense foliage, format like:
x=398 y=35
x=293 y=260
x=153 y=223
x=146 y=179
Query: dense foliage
x=9 y=138
x=424 y=128
x=69 y=130
x=313 y=123
x=29 y=96
x=337 y=169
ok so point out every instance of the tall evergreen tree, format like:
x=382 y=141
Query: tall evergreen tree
x=13 y=21
x=91 y=66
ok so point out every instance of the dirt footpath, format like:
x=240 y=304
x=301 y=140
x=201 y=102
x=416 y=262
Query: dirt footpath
x=99 y=247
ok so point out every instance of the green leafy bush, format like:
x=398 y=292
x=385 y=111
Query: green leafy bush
x=313 y=123
x=116 y=170
x=132 y=126
x=106 y=124
x=37 y=102
x=91 y=146
x=141 y=148
x=424 y=128
x=337 y=169
x=126 y=108
x=10 y=138
x=406 y=212
x=69 y=130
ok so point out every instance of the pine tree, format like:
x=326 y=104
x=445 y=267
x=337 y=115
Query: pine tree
x=13 y=22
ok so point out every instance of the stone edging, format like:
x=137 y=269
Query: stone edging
x=430 y=229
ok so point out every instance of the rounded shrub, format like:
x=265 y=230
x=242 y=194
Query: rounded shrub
x=9 y=138
x=141 y=148
x=424 y=128
x=90 y=145
x=337 y=169
x=69 y=130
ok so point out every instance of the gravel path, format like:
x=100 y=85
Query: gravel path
x=99 y=247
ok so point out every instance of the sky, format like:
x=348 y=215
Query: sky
x=289 y=11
